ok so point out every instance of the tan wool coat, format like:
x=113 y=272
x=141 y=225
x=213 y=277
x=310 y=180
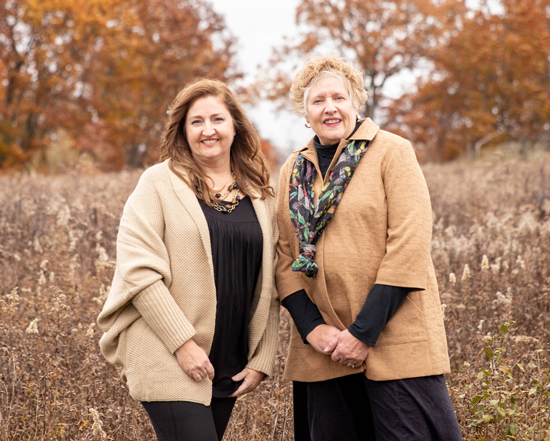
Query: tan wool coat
x=163 y=291
x=380 y=233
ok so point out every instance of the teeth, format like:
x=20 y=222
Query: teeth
x=332 y=121
x=209 y=141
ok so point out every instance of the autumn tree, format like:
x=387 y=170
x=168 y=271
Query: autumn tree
x=100 y=73
x=47 y=47
x=383 y=38
x=491 y=83
x=178 y=41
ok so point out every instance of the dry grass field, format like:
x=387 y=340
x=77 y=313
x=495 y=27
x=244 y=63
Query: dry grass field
x=491 y=248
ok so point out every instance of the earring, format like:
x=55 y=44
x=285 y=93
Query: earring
x=307 y=126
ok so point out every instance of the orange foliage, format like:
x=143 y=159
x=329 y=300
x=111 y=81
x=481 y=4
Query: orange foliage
x=270 y=152
x=490 y=83
x=102 y=71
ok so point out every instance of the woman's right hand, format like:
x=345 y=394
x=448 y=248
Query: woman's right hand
x=322 y=338
x=194 y=361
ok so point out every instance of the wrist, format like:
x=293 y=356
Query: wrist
x=186 y=345
x=311 y=334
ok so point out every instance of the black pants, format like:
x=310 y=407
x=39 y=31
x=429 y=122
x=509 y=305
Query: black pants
x=357 y=409
x=186 y=421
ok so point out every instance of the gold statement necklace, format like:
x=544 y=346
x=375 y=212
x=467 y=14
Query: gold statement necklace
x=225 y=208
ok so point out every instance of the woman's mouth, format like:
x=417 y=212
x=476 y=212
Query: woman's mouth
x=332 y=122
x=209 y=141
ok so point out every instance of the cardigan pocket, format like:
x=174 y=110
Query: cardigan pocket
x=408 y=323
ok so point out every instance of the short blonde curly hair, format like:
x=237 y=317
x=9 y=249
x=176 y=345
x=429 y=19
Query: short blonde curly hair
x=319 y=67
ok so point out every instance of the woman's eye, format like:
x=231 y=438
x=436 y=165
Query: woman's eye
x=219 y=119
x=195 y=121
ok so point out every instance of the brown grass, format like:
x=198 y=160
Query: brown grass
x=57 y=253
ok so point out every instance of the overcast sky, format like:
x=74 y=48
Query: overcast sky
x=258 y=26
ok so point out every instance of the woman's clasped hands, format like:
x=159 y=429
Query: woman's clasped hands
x=343 y=347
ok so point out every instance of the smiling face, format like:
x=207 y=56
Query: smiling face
x=330 y=110
x=210 y=131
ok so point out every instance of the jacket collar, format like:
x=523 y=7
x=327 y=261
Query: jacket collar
x=366 y=132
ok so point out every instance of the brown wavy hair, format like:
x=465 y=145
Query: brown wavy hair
x=247 y=159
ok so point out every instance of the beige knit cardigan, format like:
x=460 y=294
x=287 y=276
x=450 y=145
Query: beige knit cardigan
x=380 y=233
x=163 y=291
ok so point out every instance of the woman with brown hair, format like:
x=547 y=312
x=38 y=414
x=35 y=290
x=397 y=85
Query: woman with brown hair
x=368 y=350
x=192 y=314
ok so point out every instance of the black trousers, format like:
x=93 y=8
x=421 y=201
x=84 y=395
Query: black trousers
x=354 y=408
x=186 y=421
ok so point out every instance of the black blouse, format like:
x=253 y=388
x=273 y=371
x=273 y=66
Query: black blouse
x=237 y=244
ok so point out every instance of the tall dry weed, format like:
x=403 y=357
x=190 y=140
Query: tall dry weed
x=491 y=249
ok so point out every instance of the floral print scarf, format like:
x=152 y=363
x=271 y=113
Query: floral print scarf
x=310 y=220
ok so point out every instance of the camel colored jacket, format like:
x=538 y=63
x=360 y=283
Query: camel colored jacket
x=163 y=291
x=380 y=233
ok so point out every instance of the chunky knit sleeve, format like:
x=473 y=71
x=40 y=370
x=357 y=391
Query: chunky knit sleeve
x=143 y=272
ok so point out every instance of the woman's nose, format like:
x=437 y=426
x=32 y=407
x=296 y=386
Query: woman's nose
x=330 y=107
x=208 y=129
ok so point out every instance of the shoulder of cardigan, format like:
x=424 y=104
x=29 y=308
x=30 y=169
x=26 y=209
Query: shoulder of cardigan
x=367 y=131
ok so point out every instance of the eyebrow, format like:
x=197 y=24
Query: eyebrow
x=200 y=116
x=329 y=93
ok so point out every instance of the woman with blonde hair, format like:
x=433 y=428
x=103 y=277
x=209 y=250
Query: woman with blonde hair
x=368 y=348
x=192 y=314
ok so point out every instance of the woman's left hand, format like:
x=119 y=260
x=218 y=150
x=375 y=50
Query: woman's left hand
x=349 y=350
x=251 y=381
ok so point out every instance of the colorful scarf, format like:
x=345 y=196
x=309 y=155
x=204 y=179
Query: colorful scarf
x=310 y=221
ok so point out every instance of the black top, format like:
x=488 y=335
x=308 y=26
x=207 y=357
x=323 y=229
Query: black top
x=380 y=305
x=237 y=244
x=325 y=153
